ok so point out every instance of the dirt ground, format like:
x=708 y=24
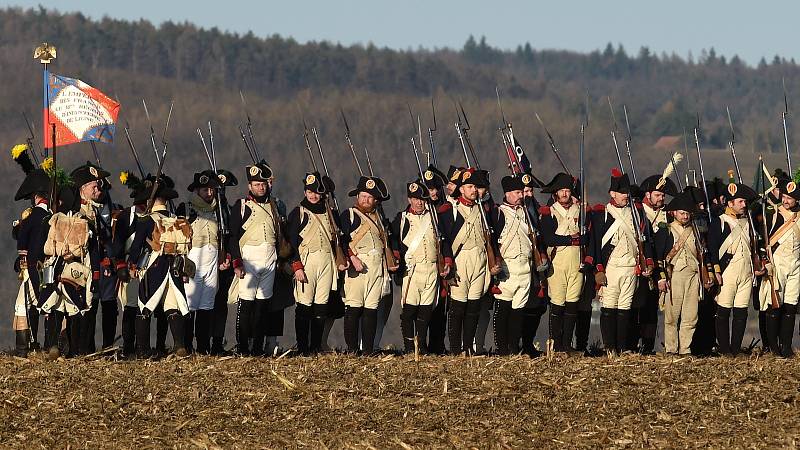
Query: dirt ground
x=339 y=401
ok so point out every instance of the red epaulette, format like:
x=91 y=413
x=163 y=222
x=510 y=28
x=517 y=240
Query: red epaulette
x=544 y=210
x=447 y=206
x=599 y=207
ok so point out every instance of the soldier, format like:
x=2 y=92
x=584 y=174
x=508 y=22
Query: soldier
x=219 y=315
x=94 y=188
x=464 y=243
x=159 y=258
x=516 y=239
x=253 y=245
x=416 y=247
x=201 y=290
x=364 y=241
x=436 y=183
x=561 y=235
x=310 y=231
x=123 y=233
x=730 y=252
x=615 y=254
x=536 y=306
x=678 y=251
x=481 y=180
x=31 y=233
x=644 y=313
x=783 y=272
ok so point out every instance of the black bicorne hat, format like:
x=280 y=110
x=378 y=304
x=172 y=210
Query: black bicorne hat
x=313 y=182
x=619 y=182
x=205 y=179
x=656 y=183
x=560 y=181
x=36 y=182
x=434 y=178
x=372 y=186
x=684 y=201
x=226 y=178
x=737 y=190
x=512 y=183
x=260 y=171
x=87 y=173
x=417 y=189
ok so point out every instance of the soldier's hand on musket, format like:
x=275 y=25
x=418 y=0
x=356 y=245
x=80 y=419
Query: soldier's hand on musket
x=759 y=273
x=648 y=270
x=495 y=269
x=394 y=268
x=300 y=276
x=719 y=278
x=770 y=269
x=225 y=265
x=663 y=285
x=345 y=266
x=600 y=278
x=239 y=271
x=123 y=274
x=445 y=271
x=358 y=266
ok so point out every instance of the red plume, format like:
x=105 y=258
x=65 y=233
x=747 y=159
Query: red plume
x=616 y=173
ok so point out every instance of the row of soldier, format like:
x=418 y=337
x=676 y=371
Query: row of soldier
x=79 y=252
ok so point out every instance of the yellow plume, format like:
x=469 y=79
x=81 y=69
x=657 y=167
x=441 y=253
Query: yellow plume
x=123 y=177
x=47 y=164
x=18 y=150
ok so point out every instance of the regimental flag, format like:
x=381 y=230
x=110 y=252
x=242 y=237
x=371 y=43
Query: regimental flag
x=80 y=112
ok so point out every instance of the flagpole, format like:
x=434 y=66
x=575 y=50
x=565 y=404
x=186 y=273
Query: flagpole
x=45 y=53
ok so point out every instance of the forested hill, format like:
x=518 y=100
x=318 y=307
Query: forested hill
x=203 y=70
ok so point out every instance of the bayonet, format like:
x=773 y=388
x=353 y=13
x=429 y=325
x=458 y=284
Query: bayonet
x=553 y=145
x=784 y=115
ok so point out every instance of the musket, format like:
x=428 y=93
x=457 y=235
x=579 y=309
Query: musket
x=431 y=142
x=553 y=145
x=515 y=166
x=755 y=262
x=251 y=136
x=584 y=203
x=493 y=259
x=336 y=233
x=325 y=167
x=32 y=143
x=247 y=146
x=465 y=127
x=700 y=165
x=385 y=231
x=152 y=132
x=156 y=184
x=773 y=289
x=628 y=139
x=784 y=114
x=222 y=219
x=133 y=151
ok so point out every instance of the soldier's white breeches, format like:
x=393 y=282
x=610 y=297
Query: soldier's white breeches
x=419 y=285
x=565 y=282
x=680 y=311
x=320 y=274
x=515 y=281
x=737 y=285
x=259 y=267
x=787 y=279
x=621 y=284
x=365 y=289
x=23 y=302
x=202 y=288
x=472 y=275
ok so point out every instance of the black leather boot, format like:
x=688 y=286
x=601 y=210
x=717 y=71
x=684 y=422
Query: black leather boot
x=188 y=331
x=773 y=320
x=319 y=313
x=302 y=326
x=471 y=317
x=787 y=329
x=177 y=327
x=455 y=325
x=583 y=325
x=75 y=325
x=21 y=347
x=351 y=323
x=556 y=325
x=514 y=330
x=202 y=330
x=33 y=322
x=162 y=328
x=608 y=328
x=623 y=320
x=244 y=328
x=142 y=336
x=109 y=322
x=738 y=327
x=722 y=325
x=369 y=326
x=407 y=318
x=129 y=331
x=421 y=327
x=502 y=309
x=52 y=329
x=570 y=317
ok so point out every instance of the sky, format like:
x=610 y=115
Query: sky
x=746 y=28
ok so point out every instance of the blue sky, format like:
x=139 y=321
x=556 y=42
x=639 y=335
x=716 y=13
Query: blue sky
x=749 y=29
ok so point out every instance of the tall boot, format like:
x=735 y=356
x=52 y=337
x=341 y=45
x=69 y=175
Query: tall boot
x=162 y=327
x=244 y=326
x=471 y=317
x=482 y=324
x=787 y=329
x=21 y=347
x=722 y=326
x=352 y=320
x=514 y=330
x=218 y=345
x=188 y=331
x=33 y=322
x=319 y=313
x=773 y=320
x=455 y=325
x=177 y=327
x=623 y=319
x=633 y=331
x=109 y=322
x=437 y=328
x=502 y=308
x=88 y=326
x=608 y=328
x=129 y=330
x=369 y=325
x=407 y=317
x=583 y=325
x=258 y=327
x=52 y=328
x=75 y=325
x=302 y=325
x=424 y=313
x=202 y=330
x=556 y=325
x=142 y=325
x=570 y=317
x=738 y=327
x=762 y=331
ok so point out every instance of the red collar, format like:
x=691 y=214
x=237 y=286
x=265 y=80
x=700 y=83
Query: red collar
x=411 y=211
x=465 y=201
x=43 y=201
